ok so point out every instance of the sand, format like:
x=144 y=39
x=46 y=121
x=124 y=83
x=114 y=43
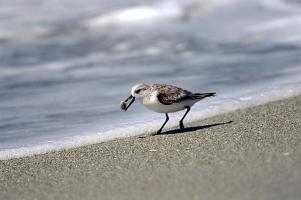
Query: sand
x=256 y=156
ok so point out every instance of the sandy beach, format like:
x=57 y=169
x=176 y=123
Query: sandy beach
x=256 y=156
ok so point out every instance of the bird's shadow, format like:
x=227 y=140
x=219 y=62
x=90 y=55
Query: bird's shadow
x=194 y=128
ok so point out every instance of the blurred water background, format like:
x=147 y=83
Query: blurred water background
x=66 y=65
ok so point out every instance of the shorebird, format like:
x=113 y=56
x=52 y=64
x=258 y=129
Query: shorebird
x=164 y=99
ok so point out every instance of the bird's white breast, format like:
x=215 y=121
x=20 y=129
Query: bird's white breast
x=152 y=103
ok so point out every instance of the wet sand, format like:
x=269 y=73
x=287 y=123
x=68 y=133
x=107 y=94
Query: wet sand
x=256 y=156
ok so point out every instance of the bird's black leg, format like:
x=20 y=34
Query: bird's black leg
x=167 y=118
x=181 y=121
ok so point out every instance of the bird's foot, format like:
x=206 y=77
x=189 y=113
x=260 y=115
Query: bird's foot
x=181 y=126
x=157 y=133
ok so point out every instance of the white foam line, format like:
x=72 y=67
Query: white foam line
x=162 y=11
x=219 y=106
x=138 y=15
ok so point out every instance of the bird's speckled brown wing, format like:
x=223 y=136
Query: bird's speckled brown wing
x=168 y=94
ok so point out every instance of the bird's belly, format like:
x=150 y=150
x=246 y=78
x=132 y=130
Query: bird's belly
x=161 y=108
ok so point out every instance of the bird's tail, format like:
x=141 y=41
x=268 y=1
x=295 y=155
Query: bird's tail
x=202 y=95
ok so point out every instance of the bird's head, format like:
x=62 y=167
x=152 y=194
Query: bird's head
x=139 y=90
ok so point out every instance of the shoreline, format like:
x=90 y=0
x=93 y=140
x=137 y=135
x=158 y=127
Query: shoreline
x=256 y=156
x=142 y=129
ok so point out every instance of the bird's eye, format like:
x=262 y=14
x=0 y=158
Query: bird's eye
x=137 y=91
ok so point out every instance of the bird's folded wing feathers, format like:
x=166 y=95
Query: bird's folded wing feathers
x=168 y=94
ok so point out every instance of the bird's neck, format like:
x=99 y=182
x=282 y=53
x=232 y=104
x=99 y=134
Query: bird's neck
x=140 y=99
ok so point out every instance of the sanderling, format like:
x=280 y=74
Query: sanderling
x=164 y=99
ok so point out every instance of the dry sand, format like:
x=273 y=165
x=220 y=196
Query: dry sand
x=257 y=156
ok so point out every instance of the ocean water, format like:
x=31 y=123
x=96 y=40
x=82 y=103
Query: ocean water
x=65 y=66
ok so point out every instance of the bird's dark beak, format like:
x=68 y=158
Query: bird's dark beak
x=133 y=99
